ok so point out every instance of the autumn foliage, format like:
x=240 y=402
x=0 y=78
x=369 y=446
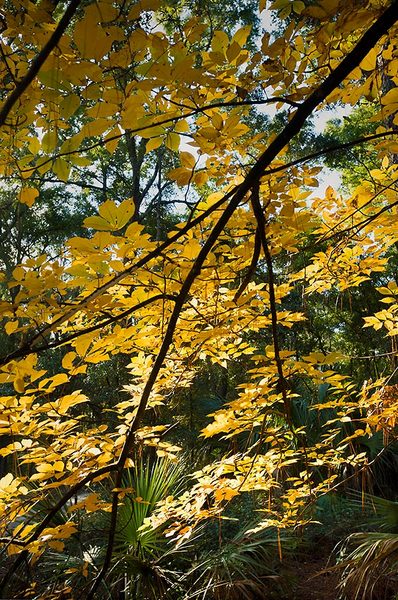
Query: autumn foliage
x=225 y=282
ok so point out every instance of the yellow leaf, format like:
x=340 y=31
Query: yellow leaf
x=172 y=141
x=369 y=62
x=71 y=400
x=181 y=175
x=112 y=139
x=280 y=4
x=34 y=145
x=19 y=385
x=85 y=569
x=28 y=196
x=11 y=326
x=187 y=160
x=298 y=6
x=140 y=500
x=209 y=133
x=49 y=141
x=233 y=51
x=69 y=105
x=240 y=37
x=50 y=383
x=45 y=468
x=56 y=545
x=67 y=361
x=90 y=37
x=82 y=344
x=285 y=12
x=7 y=482
x=191 y=249
x=109 y=211
x=91 y=503
x=224 y=494
x=391 y=97
x=80 y=161
x=181 y=126
x=98 y=223
x=154 y=143
x=200 y=177
x=219 y=42
x=61 y=168
x=217 y=121
x=112 y=217
x=18 y=273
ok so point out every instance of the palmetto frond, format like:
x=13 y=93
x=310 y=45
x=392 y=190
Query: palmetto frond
x=373 y=559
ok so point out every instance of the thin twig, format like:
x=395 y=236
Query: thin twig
x=330 y=150
x=252 y=267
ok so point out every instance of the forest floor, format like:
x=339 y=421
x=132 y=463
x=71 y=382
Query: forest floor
x=312 y=583
x=308 y=576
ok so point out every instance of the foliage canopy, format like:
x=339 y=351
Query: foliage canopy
x=125 y=109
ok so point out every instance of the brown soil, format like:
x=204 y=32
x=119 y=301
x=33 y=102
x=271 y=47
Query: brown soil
x=308 y=575
x=312 y=583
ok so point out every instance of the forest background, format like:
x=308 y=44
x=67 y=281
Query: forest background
x=199 y=341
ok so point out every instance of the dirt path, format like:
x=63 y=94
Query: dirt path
x=312 y=583
x=305 y=574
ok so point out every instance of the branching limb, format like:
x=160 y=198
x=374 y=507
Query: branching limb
x=252 y=267
x=26 y=351
x=259 y=214
x=167 y=341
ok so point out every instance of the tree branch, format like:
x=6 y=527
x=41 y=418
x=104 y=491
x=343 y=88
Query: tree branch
x=330 y=150
x=38 y=62
x=259 y=214
x=252 y=181
x=167 y=341
x=253 y=264
x=26 y=351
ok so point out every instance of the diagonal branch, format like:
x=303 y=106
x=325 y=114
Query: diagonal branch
x=38 y=62
x=330 y=150
x=167 y=341
x=252 y=182
x=111 y=319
